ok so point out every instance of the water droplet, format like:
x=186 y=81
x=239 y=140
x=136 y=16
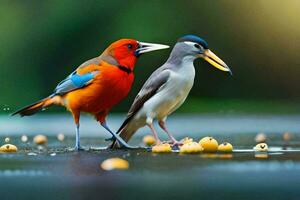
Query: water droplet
x=7 y=140
x=31 y=154
x=61 y=137
x=53 y=154
x=40 y=148
x=24 y=138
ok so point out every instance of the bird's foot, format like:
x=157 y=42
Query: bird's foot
x=174 y=143
x=123 y=144
x=116 y=137
x=77 y=148
x=98 y=148
x=159 y=142
x=177 y=143
x=125 y=147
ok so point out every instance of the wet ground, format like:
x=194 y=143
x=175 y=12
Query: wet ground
x=52 y=172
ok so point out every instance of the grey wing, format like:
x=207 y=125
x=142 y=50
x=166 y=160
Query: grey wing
x=149 y=89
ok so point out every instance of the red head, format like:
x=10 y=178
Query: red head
x=126 y=51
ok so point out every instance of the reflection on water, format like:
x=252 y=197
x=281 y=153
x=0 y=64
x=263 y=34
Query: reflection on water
x=194 y=125
x=252 y=166
x=24 y=173
x=261 y=155
x=52 y=154
x=32 y=154
x=215 y=155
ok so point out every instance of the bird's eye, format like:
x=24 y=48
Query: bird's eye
x=197 y=46
x=129 y=46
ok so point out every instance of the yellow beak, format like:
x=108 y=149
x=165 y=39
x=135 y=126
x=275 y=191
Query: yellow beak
x=215 y=61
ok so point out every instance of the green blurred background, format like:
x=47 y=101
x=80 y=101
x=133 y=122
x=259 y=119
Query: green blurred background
x=43 y=41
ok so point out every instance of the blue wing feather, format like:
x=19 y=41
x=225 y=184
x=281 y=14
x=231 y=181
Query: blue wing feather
x=75 y=81
x=81 y=80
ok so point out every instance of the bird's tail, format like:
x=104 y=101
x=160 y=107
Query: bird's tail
x=126 y=133
x=36 y=107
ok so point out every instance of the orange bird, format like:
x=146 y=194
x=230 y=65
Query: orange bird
x=97 y=85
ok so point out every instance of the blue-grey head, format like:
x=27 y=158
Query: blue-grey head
x=192 y=46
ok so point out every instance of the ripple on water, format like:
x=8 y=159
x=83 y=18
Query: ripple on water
x=32 y=154
x=17 y=172
x=253 y=166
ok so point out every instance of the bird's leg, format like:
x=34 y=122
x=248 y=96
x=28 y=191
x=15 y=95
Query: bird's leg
x=117 y=137
x=76 y=117
x=154 y=132
x=77 y=144
x=162 y=125
x=101 y=118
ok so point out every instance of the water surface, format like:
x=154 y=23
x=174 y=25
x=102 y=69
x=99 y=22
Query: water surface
x=52 y=172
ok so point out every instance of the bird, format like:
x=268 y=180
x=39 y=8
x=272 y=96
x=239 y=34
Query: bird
x=167 y=88
x=97 y=85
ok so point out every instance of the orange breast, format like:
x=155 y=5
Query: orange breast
x=108 y=88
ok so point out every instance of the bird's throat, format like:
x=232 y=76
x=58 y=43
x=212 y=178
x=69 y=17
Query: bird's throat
x=125 y=69
x=128 y=62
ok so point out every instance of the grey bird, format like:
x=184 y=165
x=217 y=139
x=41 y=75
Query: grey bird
x=167 y=88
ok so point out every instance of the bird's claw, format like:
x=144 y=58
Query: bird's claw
x=77 y=148
x=177 y=144
x=174 y=143
x=128 y=147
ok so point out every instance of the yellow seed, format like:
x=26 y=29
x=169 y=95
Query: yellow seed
x=149 y=140
x=191 y=147
x=162 y=148
x=209 y=155
x=225 y=147
x=61 y=137
x=24 y=138
x=287 y=136
x=225 y=156
x=8 y=148
x=261 y=155
x=187 y=140
x=260 y=137
x=261 y=147
x=209 y=144
x=7 y=139
x=114 y=163
x=40 y=139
